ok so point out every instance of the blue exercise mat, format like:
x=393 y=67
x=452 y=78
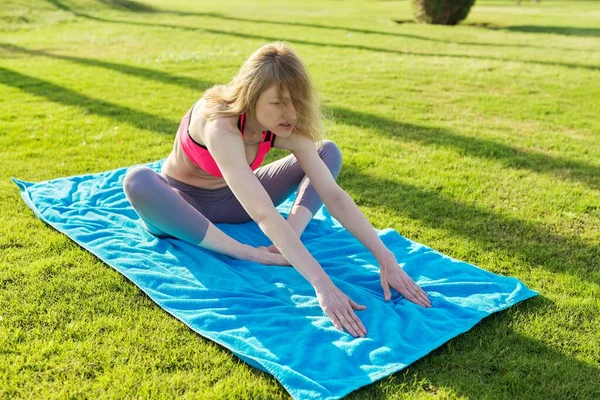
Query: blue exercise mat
x=269 y=315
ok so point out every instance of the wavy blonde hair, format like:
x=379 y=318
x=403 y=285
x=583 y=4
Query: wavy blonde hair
x=273 y=64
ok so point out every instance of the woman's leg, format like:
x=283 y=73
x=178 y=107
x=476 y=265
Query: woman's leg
x=280 y=178
x=166 y=212
x=307 y=194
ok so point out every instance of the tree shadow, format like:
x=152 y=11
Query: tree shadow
x=553 y=166
x=537 y=246
x=62 y=95
x=514 y=158
x=493 y=360
x=487 y=25
x=121 y=5
x=361 y=31
x=319 y=44
x=503 y=233
x=61 y=6
x=558 y=30
x=129 y=5
x=159 y=76
x=126 y=5
x=394 y=34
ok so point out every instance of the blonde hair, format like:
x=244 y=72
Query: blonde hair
x=273 y=64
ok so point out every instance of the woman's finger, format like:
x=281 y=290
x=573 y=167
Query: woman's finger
x=358 y=322
x=355 y=305
x=417 y=298
x=275 y=259
x=273 y=249
x=420 y=294
x=408 y=292
x=336 y=322
x=411 y=296
x=411 y=291
x=346 y=323
x=282 y=260
x=386 y=289
x=423 y=296
x=355 y=323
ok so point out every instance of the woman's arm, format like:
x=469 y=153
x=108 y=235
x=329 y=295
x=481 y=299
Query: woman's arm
x=228 y=152
x=337 y=201
x=345 y=210
x=288 y=242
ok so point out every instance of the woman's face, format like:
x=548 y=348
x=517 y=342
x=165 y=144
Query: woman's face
x=276 y=114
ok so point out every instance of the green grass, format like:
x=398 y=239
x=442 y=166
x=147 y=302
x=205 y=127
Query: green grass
x=481 y=141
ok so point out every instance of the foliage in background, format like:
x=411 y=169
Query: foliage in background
x=441 y=12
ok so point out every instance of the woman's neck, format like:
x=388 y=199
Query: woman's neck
x=252 y=129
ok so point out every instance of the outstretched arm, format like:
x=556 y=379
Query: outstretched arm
x=345 y=210
x=335 y=199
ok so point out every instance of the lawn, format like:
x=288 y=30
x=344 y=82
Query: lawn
x=481 y=141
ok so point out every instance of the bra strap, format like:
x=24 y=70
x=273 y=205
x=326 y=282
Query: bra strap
x=241 y=122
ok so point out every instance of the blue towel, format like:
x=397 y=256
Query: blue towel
x=268 y=315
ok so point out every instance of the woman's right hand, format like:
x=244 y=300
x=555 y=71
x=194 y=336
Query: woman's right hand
x=340 y=309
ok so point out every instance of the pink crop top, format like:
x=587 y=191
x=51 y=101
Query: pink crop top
x=200 y=155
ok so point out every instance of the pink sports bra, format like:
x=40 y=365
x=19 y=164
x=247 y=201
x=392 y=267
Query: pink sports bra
x=200 y=155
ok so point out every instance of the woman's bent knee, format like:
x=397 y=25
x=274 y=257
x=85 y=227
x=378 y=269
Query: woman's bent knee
x=331 y=156
x=139 y=182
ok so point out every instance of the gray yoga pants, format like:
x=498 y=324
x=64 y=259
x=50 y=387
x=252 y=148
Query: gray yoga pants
x=170 y=208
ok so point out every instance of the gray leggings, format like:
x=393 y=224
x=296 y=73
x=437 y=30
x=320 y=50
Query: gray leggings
x=170 y=208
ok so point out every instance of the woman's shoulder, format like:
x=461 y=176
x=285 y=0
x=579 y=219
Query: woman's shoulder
x=200 y=126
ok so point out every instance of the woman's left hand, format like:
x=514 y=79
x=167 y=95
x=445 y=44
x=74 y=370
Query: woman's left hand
x=392 y=275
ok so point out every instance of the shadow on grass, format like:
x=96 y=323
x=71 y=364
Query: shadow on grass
x=159 y=76
x=493 y=360
x=129 y=5
x=121 y=5
x=558 y=30
x=361 y=31
x=319 y=44
x=555 y=167
x=133 y=6
x=62 y=95
x=536 y=245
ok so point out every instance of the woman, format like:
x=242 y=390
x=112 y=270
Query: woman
x=212 y=175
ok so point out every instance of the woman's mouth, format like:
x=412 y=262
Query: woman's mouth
x=285 y=126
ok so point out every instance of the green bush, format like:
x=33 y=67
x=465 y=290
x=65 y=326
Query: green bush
x=442 y=12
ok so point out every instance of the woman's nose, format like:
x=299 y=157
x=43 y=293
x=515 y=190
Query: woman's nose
x=291 y=114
